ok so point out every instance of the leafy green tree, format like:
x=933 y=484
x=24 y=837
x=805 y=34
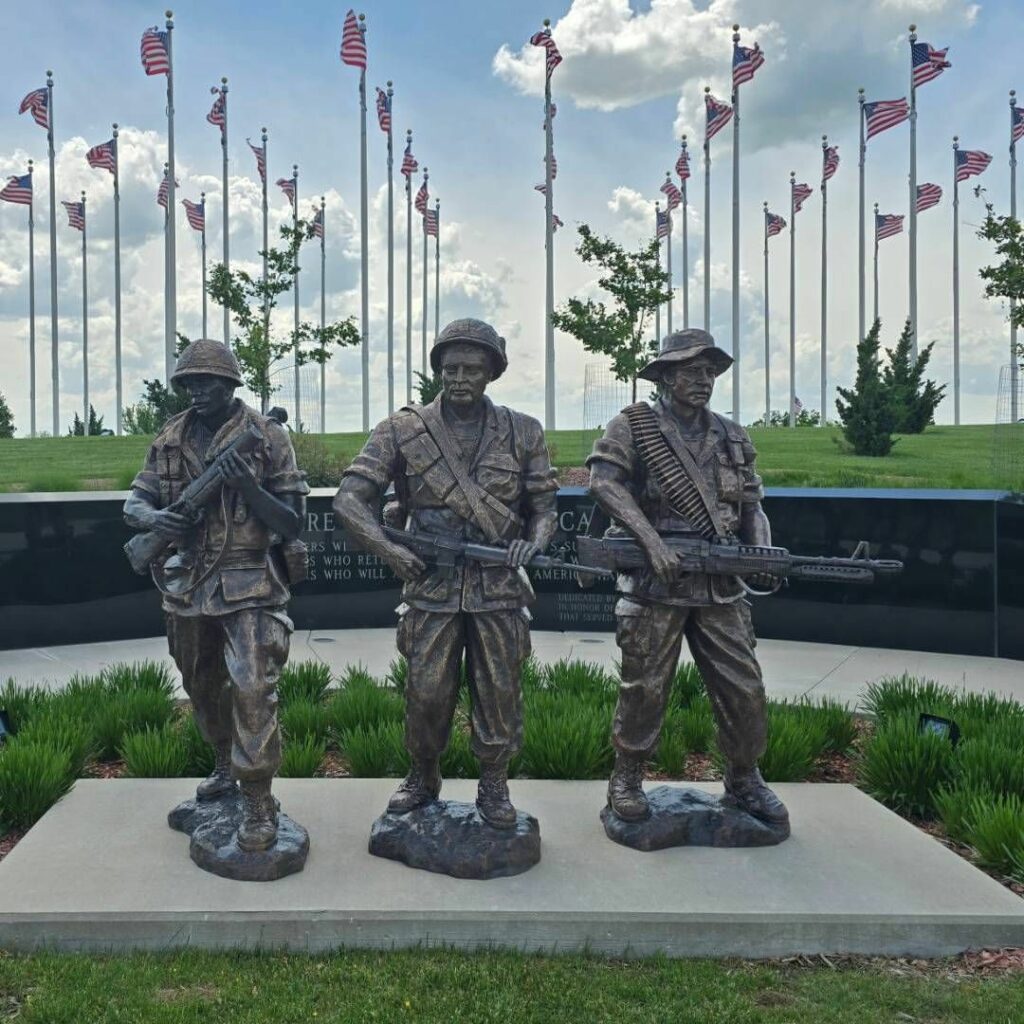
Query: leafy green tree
x=637 y=285
x=251 y=300
x=428 y=388
x=6 y=419
x=77 y=429
x=913 y=402
x=865 y=409
x=805 y=418
x=157 y=405
x=1005 y=279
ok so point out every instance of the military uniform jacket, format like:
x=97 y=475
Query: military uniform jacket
x=511 y=465
x=247 y=575
x=726 y=458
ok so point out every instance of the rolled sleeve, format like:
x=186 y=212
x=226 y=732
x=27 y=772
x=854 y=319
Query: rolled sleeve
x=378 y=458
x=283 y=474
x=538 y=476
x=615 y=447
x=147 y=480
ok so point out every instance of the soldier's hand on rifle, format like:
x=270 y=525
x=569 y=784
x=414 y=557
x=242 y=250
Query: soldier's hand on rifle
x=663 y=561
x=520 y=552
x=405 y=564
x=168 y=524
x=236 y=472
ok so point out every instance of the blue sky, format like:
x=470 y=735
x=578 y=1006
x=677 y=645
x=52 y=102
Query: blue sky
x=631 y=81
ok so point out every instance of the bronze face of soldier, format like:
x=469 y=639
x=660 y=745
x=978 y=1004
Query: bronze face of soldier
x=690 y=385
x=466 y=370
x=211 y=395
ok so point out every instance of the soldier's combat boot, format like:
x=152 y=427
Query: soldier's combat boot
x=625 y=789
x=219 y=781
x=419 y=787
x=492 y=800
x=746 y=789
x=258 y=830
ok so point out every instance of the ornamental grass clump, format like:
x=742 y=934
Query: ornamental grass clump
x=22 y=702
x=376 y=750
x=579 y=680
x=989 y=763
x=33 y=776
x=398 y=674
x=796 y=736
x=155 y=753
x=305 y=680
x=300 y=758
x=995 y=828
x=457 y=761
x=696 y=726
x=687 y=686
x=565 y=738
x=125 y=711
x=361 y=702
x=200 y=754
x=301 y=719
x=670 y=756
x=151 y=676
x=904 y=694
x=58 y=728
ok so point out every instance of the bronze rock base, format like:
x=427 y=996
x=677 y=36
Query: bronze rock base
x=212 y=824
x=451 y=838
x=688 y=817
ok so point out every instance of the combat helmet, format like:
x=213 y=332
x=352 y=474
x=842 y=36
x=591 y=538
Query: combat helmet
x=469 y=331
x=204 y=355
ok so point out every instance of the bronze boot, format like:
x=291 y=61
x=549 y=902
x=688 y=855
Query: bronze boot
x=219 y=781
x=419 y=787
x=492 y=800
x=258 y=830
x=745 y=788
x=625 y=788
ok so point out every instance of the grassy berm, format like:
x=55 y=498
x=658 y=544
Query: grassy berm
x=943 y=456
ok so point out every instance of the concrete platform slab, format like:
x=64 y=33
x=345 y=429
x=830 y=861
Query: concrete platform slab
x=102 y=871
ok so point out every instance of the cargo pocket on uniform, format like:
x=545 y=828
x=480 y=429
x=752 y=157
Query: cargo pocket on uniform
x=730 y=487
x=633 y=628
x=245 y=584
x=500 y=583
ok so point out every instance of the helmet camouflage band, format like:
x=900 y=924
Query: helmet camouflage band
x=469 y=331
x=206 y=356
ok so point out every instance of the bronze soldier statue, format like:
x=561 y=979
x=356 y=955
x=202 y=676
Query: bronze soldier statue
x=222 y=496
x=463 y=469
x=681 y=470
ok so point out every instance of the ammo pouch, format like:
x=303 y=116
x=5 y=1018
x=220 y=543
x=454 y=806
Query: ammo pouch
x=296 y=567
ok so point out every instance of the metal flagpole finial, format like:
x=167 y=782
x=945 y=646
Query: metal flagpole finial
x=1013 y=94
x=913 y=33
x=295 y=170
x=49 y=78
x=792 y=177
x=115 y=129
x=30 y=162
x=876 y=209
x=263 y=134
x=824 y=139
x=860 y=94
x=202 y=196
x=83 y=195
x=765 y=205
x=707 y=88
x=735 y=33
x=547 y=23
x=170 y=17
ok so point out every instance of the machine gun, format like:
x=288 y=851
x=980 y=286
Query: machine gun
x=445 y=552
x=714 y=558
x=144 y=548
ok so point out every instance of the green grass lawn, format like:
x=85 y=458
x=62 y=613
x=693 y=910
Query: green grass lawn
x=945 y=456
x=485 y=988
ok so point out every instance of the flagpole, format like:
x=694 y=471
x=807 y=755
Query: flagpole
x=323 y=311
x=426 y=274
x=85 y=326
x=792 y=300
x=266 y=246
x=224 y=203
x=735 y=240
x=118 y=384
x=686 y=256
x=549 y=253
x=875 y=222
x=54 y=350
x=408 y=279
x=202 y=238
x=707 y=224
x=861 y=241
x=171 y=306
x=824 y=282
x=365 y=241
x=31 y=305
x=912 y=289
x=295 y=294
x=657 y=308
x=437 y=269
x=1014 y=371
x=391 y=259
x=767 y=331
x=668 y=260
x=956 y=288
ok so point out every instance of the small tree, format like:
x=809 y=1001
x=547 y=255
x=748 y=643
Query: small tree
x=157 y=405
x=637 y=285
x=864 y=409
x=251 y=300
x=1005 y=280
x=913 y=403
x=77 y=429
x=428 y=388
x=778 y=418
x=6 y=419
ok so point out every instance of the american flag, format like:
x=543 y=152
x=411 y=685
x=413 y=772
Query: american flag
x=887 y=225
x=554 y=111
x=153 y=50
x=928 y=195
x=383 y=110
x=798 y=406
x=161 y=192
x=800 y=192
x=318 y=222
x=18 y=190
x=554 y=166
x=556 y=222
x=39 y=103
x=409 y=163
x=430 y=222
x=926 y=63
x=353 y=44
x=554 y=58
x=773 y=223
x=663 y=223
x=260 y=152
x=719 y=114
x=683 y=164
x=541 y=187
x=420 y=202
x=883 y=114
x=745 y=61
x=830 y=157
x=672 y=194
x=287 y=186
x=1018 y=124
x=970 y=162
x=218 y=114
x=103 y=156
x=76 y=214
x=195 y=213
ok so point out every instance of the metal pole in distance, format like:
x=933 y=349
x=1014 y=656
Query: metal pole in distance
x=323 y=311
x=875 y=306
x=171 y=307
x=54 y=348
x=202 y=241
x=707 y=226
x=767 y=332
x=424 y=364
x=657 y=308
x=266 y=247
x=391 y=262
x=295 y=293
x=437 y=268
x=408 y=279
x=1014 y=368
x=792 y=300
x=824 y=283
x=686 y=255
x=85 y=325
x=912 y=206
x=118 y=383
x=861 y=241
x=31 y=307
x=668 y=262
x=549 y=268
x=365 y=241
x=735 y=241
x=224 y=188
x=956 y=287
